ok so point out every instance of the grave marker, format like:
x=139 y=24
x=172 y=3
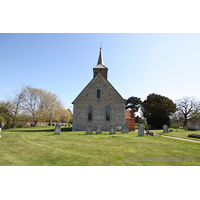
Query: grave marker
x=57 y=129
x=141 y=130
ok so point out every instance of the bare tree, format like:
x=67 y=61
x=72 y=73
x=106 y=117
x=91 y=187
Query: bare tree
x=186 y=107
x=17 y=101
x=34 y=102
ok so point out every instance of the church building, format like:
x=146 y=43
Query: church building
x=99 y=103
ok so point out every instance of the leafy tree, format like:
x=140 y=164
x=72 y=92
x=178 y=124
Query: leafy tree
x=133 y=103
x=53 y=107
x=22 y=119
x=157 y=109
x=6 y=113
x=196 y=116
x=66 y=116
x=187 y=107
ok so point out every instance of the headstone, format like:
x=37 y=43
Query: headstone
x=57 y=129
x=197 y=127
x=1 y=126
x=98 y=130
x=165 y=128
x=112 y=129
x=89 y=129
x=141 y=130
x=124 y=128
x=170 y=130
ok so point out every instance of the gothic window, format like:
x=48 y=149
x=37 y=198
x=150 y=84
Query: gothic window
x=90 y=113
x=98 y=94
x=108 y=113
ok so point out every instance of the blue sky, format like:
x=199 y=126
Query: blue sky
x=138 y=63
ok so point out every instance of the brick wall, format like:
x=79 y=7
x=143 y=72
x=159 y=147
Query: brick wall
x=130 y=120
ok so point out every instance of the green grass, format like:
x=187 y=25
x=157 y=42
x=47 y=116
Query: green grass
x=181 y=133
x=38 y=146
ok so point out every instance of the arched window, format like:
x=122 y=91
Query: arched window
x=107 y=113
x=90 y=113
x=98 y=94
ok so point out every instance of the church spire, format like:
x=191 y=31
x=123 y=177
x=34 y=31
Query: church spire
x=100 y=68
x=100 y=61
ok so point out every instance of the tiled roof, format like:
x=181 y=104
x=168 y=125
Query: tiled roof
x=99 y=66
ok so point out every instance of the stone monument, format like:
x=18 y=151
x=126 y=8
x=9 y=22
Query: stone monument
x=89 y=129
x=141 y=130
x=1 y=126
x=112 y=129
x=57 y=129
x=98 y=130
x=165 y=128
x=124 y=128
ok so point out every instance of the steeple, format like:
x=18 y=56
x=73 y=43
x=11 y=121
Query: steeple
x=100 y=68
x=100 y=61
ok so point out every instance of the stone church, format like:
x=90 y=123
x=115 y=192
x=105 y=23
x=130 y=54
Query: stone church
x=99 y=103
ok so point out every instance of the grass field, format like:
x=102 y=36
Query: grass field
x=38 y=146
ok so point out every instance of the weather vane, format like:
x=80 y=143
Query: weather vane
x=101 y=44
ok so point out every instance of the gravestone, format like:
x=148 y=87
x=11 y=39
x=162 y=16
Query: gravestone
x=165 y=128
x=141 y=130
x=89 y=129
x=124 y=128
x=112 y=129
x=1 y=126
x=98 y=130
x=57 y=129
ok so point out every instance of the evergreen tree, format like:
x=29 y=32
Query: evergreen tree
x=157 y=109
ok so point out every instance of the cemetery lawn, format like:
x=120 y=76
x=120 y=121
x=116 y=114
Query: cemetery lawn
x=181 y=133
x=38 y=146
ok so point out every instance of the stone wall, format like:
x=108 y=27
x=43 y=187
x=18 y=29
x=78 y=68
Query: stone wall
x=45 y=123
x=108 y=97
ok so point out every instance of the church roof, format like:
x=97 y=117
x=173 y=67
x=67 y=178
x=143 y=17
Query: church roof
x=99 y=74
x=100 y=67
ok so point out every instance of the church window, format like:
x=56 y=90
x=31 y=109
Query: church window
x=108 y=113
x=98 y=94
x=90 y=113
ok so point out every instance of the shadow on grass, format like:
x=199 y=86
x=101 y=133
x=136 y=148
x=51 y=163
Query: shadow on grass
x=42 y=130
